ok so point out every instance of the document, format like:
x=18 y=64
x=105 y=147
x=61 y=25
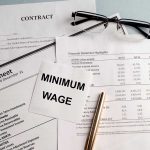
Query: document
x=59 y=91
x=25 y=27
x=46 y=18
x=24 y=67
x=15 y=45
x=121 y=68
x=19 y=129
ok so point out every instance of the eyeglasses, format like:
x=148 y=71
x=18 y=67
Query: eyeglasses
x=142 y=27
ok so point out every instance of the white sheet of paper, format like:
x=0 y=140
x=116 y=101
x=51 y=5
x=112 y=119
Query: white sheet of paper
x=24 y=67
x=60 y=90
x=16 y=86
x=20 y=129
x=13 y=46
x=25 y=27
x=121 y=69
x=47 y=18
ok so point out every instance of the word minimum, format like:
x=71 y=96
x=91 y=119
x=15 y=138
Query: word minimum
x=63 y=82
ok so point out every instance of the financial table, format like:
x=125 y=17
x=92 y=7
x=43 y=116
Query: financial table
x=125 y=77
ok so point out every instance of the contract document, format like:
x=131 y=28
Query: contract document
x=26 y=27
x=121 y=68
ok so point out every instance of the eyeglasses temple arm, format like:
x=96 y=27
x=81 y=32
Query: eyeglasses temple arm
x=90 y=16
x=135 y=25
x=142 y=32
x=74 y=23
x=88 y=29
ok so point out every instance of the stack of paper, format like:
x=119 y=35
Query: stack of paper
x=24 y=29
x=120 y=67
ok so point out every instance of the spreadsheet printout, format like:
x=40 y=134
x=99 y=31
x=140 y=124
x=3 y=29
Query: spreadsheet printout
x=121 y=69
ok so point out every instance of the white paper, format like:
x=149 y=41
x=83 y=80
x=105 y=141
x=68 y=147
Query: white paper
x=29 y=18
x=4 y=56
x=60 y=90
x=26 y=27
x=15 y=45
x=121 y=69
x=25 y=67
x=20 y=129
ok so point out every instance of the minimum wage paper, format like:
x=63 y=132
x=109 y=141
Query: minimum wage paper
x=58 y=91
x=26 y=27
x=121 y=69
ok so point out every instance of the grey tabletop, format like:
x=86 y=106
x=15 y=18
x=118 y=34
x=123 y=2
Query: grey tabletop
x=133 y=9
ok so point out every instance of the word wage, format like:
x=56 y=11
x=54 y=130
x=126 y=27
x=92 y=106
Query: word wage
x=60 y=99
